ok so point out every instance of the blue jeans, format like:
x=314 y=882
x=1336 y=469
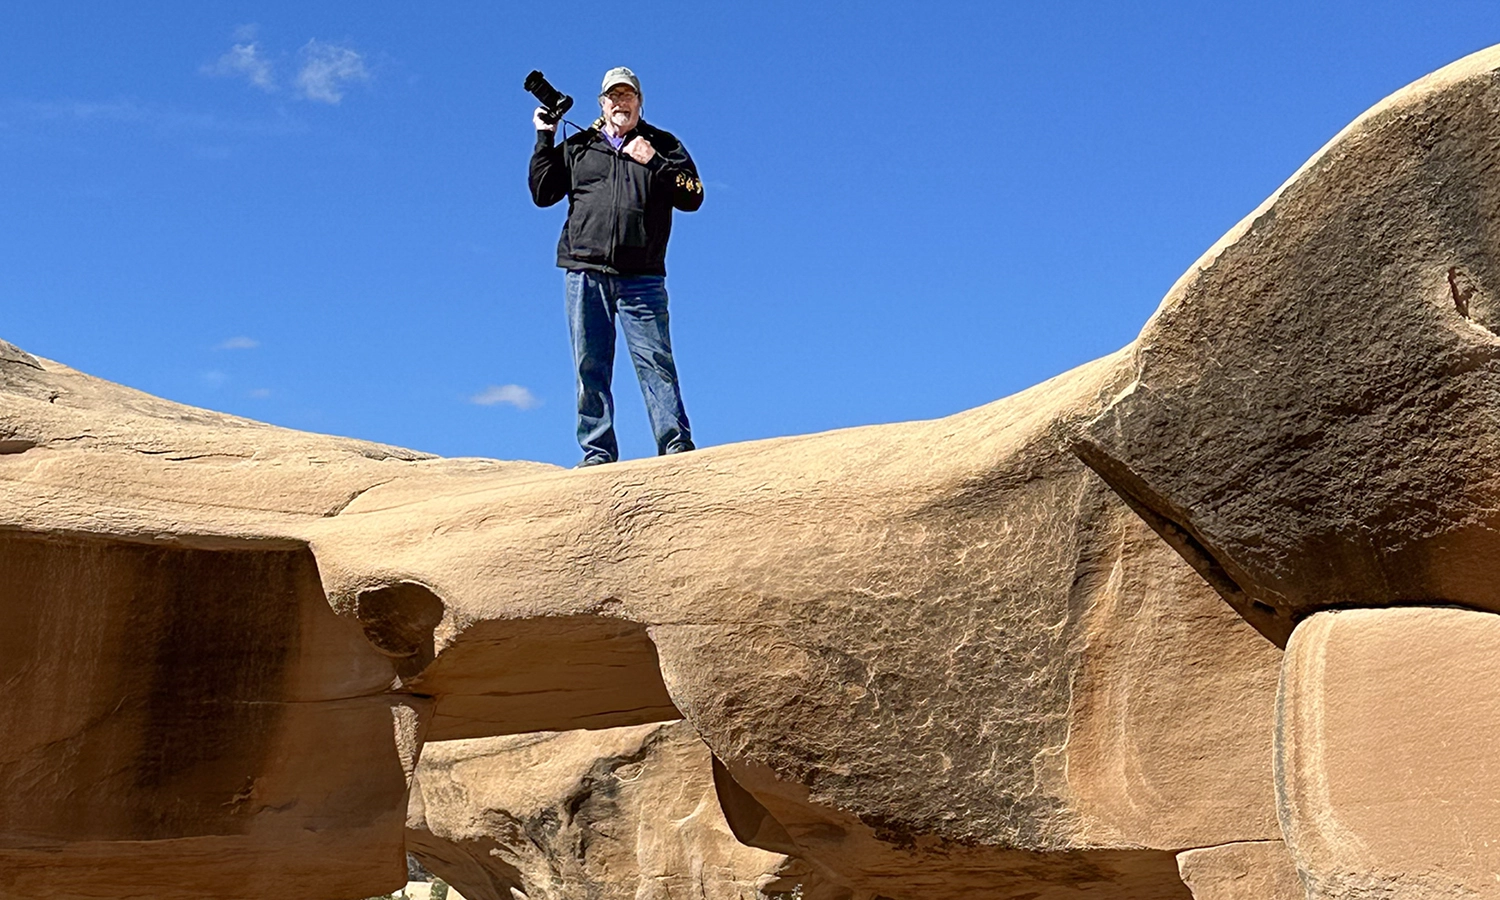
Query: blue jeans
x=640 y=302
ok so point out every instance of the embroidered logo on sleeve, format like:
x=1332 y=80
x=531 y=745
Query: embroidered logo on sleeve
x=689 y=183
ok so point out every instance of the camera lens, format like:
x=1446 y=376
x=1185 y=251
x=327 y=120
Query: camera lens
x=536 y=85
x=554 y=101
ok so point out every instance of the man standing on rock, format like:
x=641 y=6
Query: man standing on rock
x=622 y=178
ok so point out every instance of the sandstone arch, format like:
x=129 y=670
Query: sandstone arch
x=550 y=673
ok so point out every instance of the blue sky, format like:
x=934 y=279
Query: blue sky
x=316 y=214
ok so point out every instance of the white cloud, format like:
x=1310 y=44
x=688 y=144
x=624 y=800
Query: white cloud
x=240 y=343
x=511 y=394
x=261 y=393
x=127 y=111
x=244 y=61
x=326 y=69
x=213 y=378
x=166 y=121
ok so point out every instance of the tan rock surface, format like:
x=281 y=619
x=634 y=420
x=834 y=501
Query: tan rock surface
x=1253 y=870
x=942 y=650
x=626 y=813
x=167 y=720
x=1386 y=772
x=1312 y=413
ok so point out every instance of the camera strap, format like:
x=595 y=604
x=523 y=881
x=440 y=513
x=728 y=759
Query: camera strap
x=563 y=125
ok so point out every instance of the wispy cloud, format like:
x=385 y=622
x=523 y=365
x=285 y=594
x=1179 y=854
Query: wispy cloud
x=327 y=69
x=134 y=113
x=508 y=394
x=240 y=343
x=83 y=110
x=324 y=69
x=213 y=378
x=244 y=60
x=260 y=393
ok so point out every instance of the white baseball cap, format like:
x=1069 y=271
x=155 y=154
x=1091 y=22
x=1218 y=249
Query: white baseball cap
x=617 y=76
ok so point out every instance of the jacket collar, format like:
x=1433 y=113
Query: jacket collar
x=640 y=129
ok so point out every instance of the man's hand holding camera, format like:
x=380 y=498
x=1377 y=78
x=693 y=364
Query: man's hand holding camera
x=541 y=123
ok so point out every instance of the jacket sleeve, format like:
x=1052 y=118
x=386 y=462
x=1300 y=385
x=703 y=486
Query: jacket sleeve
x=548 y=177
x=673 y=167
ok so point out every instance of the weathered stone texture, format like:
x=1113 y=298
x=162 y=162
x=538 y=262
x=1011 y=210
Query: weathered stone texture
x=830 y=610
x=1170 y=709
x=1313 y=411
x=619 y=814
x=1253 y=870
x=989 y=620
x=1386 y=774
x=176 y=703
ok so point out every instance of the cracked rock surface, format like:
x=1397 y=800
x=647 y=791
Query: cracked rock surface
x=1250 y=870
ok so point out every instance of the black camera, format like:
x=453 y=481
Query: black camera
x=554 y=102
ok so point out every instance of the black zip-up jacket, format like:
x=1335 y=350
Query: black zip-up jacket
x=619 y=211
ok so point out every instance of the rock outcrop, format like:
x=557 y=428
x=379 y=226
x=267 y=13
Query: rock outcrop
x=1386 y=772
x=617 y=814
x=1253 y=870
x=988 y=621
x=1312 y=414
x=187 y=715
x=168 y=718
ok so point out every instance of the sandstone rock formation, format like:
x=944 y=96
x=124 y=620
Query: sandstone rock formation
x=936 y=659
x=1386 y=771
x=168 y=716
x=992 y=625
x=1312 y=411
x=186 y=715
x=1253 y=870
x=619 y=814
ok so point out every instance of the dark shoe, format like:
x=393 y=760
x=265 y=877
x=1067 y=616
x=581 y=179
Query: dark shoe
x=593 y=461
x=680 y=448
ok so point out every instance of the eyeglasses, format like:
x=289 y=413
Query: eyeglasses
x=622 y=94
